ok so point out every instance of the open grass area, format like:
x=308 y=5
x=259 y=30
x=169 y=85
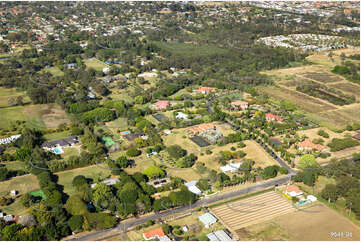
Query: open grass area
x=7 y=93
x=55 y=71
x=14 y=165
x=23 y=184
x=95 y=64
x=66 y=177
x=57 y=135
x=255 y=152
x=317 y=223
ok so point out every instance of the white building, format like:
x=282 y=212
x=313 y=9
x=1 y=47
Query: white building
x=207 y=219
x=193 y=188
x=181 y=115
x=231 y=167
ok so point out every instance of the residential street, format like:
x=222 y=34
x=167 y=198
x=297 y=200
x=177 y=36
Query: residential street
x=123 y=226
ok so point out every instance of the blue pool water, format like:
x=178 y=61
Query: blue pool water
x=57 y=150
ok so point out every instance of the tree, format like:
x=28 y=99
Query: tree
x=308 y=161
x=3 y=173
x=309 y=178
x=154 y=172
x=123 y=162
x=101 y=194
x=270 y=172
x=79 y=181
x=132 y=152
x=176 y=151
x=329 y=193
x=26 y=200
x=76 y=222
x=75 y=205
x=19 y=101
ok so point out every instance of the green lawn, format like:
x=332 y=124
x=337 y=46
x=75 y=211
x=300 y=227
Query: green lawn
x=55 y=71
x=14 y=165
x=70 y=151
x=57 y=135
x=23 y=184
x=93 y=172
x=6 y=93
x=95 y=64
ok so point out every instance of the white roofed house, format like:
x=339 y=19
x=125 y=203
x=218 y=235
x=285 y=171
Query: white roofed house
x=231 y=167
x=181 y=115
x=207 y=219
x=193 y=188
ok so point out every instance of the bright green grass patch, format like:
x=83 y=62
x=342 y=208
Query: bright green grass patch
x=38 y=193
x=108 y=141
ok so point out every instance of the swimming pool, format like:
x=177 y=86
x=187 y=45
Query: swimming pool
x=57 y=150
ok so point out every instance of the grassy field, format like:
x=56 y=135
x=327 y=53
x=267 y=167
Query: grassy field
x=319 y=221
x=57 y=135
x=55 y=71
x=23 y=184
x=347 y=87
x=66 y=177
x=6 y=93
x=14 y=165
x=95 y=64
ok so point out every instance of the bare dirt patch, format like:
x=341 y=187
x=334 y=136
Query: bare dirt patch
x=317 y=223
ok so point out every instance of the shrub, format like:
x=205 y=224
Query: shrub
x=132 y=152
x=323 y=133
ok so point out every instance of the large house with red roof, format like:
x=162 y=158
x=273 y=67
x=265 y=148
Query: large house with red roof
x=239 y=105
x=273 y=117
x=157 y=233
x=205 y=90
x=161 y=105
x=307 y=145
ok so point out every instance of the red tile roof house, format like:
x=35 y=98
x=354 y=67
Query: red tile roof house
x=308 y=145
x=205 y=90
x=239 y=105
x=161 y=105
x=273 y=117
x=293 y=191
x=156 y=234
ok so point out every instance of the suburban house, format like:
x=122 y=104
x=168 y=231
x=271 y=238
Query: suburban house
x=10 y=139
x=159 y=182
x=181 y=115
x=60 y=143
x=219 y=235
x=108 y=182
x=160 y=105
x=207 y=219
x=205 y=90
x=148 y=74
x=207 y=131
x=292 y=191
x=157 y=233
x=307 y=145
x=239 y=105
x=273 y=117
x=231 y=167
x=193 y=188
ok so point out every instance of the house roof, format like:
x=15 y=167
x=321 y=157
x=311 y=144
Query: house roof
x=239 y=103
x=219 y=235
x=205 y=89
x=193 y=188
x=62 y=142
x=273 y=117
x=201 y=128
x=293 y=188
x=207 y=219
x=307 y=143
x=162 y=104
x=158 y=232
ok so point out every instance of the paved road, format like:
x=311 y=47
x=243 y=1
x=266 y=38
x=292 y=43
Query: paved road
x=123 y=226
